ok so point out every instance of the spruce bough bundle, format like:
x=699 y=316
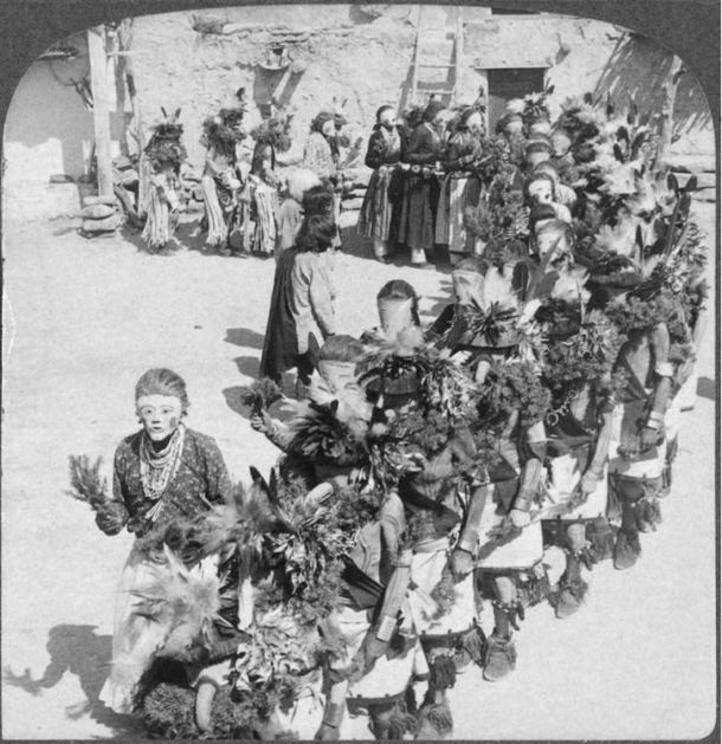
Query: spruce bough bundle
x=261 y=395
x=86 y=483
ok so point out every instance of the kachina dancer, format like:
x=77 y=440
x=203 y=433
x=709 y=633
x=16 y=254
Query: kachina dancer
x=579 y=354
x=260 y=196
x=221 y=180
x=165 y=154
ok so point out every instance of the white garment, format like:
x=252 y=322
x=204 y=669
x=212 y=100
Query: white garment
x=651 y=468
x=522 y=552
x=565 y=478
x=426 y=571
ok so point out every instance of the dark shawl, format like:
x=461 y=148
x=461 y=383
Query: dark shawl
x=280 y=346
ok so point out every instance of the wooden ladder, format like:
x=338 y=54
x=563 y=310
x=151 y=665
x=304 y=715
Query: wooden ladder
x=447 y=91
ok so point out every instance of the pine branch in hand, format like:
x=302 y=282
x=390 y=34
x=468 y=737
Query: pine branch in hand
x=86 y=483
x=261 y=395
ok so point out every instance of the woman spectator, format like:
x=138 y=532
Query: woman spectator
x=376 y=220
x=318 y=153
x=461 y=188
x=302 y=297
x=290 y=214
x=421 y=188
x=318 y=156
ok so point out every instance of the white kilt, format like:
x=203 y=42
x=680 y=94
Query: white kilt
x=521 y=553
x=647 y=468
x=564 y=480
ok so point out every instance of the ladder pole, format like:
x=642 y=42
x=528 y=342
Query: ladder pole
x=459 y=54
x=415 y=76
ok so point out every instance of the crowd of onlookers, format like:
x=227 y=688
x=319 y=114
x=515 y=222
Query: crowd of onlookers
x=428 y=190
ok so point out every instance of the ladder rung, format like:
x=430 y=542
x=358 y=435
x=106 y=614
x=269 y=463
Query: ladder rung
x=435 y=67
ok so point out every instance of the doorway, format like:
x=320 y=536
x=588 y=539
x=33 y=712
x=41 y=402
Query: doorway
x=504 y=85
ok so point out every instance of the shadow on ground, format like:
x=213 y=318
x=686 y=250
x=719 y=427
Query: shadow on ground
x=355 y=244
x=439 y=301
x=78 y=650
x=707 y=388
x=248 y=366
x=244 y=337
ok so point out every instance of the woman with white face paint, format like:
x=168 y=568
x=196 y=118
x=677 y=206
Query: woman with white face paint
x=378 y=216
x=163 y=474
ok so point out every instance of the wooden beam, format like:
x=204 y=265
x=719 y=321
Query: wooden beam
x=459 y=55
x=101 y=114
x=415 y=76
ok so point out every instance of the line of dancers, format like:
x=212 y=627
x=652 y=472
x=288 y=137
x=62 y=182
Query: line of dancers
x=435 y=482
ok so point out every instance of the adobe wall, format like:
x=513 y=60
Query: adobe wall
x=357 y=55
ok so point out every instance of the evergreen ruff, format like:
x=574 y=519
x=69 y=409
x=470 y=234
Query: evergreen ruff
x=164 y=149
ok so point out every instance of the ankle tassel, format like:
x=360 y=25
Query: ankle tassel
x=583 y=555
x=647 y=513
x=512 y=610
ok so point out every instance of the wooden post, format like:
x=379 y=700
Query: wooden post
x=101 y=116
x=125 y=37
x=459 y=55
x=415 y=78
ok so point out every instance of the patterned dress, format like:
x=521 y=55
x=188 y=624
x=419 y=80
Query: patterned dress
x=460 y=190
x=421 y=189
x=199 y=480
x=378 y=212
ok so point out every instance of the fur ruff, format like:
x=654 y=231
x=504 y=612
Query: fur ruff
x=513 y=386
x=321 y=436
x=436 y=716
x=185 y=602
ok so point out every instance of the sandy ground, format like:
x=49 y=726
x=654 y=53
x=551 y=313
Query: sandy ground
x=84 y=319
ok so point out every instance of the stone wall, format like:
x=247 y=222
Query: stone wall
x=335 y=59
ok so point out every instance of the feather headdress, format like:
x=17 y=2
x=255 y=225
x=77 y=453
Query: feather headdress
x=276 y=129
x=185 y=603
x=164 y=148
x=224 y=131
x=580 y=120
x=535 y=107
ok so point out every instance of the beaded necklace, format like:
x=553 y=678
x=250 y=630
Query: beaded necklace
x=158 y=468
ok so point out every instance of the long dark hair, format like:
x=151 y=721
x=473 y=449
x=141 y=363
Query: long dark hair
x=317 y=233
x=317 y=200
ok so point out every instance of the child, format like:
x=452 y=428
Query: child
x=290 y=214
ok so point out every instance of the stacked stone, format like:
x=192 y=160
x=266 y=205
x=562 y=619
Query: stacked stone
x=101 y=216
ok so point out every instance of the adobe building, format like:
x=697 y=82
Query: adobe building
x=308 y=58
